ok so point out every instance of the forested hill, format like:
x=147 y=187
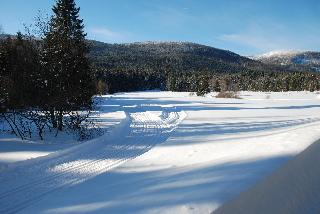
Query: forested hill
x=185 y=66
x=189 y=57
x=169 y=57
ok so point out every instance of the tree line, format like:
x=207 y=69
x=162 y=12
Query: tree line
x=206 y=81
x=244 y=81
x=182 y=66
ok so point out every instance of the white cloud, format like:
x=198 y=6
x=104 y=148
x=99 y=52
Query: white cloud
x=262 y=43
x=271 y=37
x=107 y=35
x=169 y=17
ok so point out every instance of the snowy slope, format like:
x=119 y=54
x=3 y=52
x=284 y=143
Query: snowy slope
x=293 y=188
x=222 y=148
x=307 y=59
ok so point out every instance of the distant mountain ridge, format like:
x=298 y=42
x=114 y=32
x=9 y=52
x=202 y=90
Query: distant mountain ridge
x=159 y=57
x=186 y=66
x=4 y=36
x=305 y=60
x=170 y=56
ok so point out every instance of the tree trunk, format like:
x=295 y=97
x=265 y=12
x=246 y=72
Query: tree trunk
x=53 y=118
x=60 y=121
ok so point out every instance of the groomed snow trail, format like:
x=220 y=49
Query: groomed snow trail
x=27 y=183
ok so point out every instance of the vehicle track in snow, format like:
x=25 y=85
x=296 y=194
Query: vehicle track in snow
x=30 y=182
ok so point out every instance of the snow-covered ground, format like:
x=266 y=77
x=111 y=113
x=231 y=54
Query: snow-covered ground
x=153 y=161
x=12 y=149
x=293 y=188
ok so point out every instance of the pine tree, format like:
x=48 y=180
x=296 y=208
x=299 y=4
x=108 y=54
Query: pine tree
x=3 y=76
x=203 y=85
x=67 y=79
x=19 y=65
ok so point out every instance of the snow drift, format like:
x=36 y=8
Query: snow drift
x=293 y=188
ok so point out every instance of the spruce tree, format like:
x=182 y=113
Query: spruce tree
x=18 y=68
x=203 y=85
x=3 y=75
x=67 y=79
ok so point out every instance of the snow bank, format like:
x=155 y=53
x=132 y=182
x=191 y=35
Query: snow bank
x=293 y=188
x=13 y=151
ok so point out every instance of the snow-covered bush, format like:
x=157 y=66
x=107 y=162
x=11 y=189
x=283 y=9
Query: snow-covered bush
x=228 y=94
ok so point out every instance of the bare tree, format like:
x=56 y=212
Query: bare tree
x=40 y=26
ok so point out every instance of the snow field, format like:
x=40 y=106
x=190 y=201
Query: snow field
x=138 y=134
x=161 y=164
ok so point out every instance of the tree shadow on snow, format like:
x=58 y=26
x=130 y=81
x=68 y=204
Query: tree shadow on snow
x=136 y=192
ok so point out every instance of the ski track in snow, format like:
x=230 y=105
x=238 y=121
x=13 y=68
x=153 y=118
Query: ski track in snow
x=141 y=131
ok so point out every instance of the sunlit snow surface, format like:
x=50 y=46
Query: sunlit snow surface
x=173 y=153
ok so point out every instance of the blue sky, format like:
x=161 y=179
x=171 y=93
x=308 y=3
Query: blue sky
x=246 y=27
